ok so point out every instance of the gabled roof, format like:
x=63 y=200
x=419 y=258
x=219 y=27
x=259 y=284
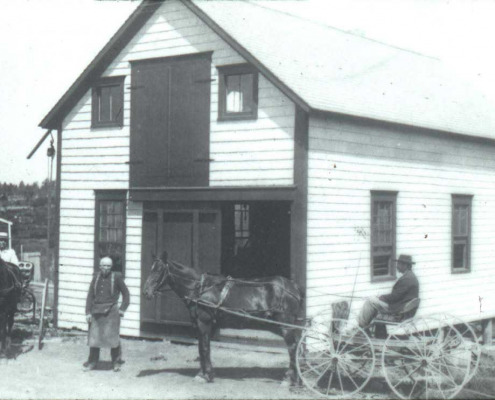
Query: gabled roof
x=323 y=69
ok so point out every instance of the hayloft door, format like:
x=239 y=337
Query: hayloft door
x=170 y=119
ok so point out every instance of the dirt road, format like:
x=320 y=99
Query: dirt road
x=164 y=370
x=152 y=370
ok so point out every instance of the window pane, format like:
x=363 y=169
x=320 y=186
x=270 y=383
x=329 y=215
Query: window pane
x=382 y=222
x=105 y=104
x=247 y=91
x=235 y=99
x=381 y=265
x=116 y=107
x=461 y=220
x=460 y=255
x=109 y=103
x=111 y=231
x=239 y=93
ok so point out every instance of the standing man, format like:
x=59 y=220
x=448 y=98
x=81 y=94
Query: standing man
x=103 y=314
x=405 y=289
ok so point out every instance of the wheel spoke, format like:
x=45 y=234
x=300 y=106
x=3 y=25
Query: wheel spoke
x=439 y=372
x=315 y=369
x=445 y=366
x=365 y=345
x=330 y=382
x=324 y=372
x=450 y=365
x=407 y=376
x=340 y=381
x=349 y=375
x=412 y=390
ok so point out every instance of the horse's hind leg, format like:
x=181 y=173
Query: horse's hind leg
x=10 y=324
x=3 y=333
x=291 y=337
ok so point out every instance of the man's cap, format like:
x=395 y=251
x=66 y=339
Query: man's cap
x=406 y=259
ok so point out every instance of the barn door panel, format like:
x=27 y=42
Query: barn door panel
x=149 y=249
x=209 y=242
x=170 y=122
x=190 y=237
x=150 y=129
x=177 y=240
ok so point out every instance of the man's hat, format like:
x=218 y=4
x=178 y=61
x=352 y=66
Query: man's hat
x=406 y=259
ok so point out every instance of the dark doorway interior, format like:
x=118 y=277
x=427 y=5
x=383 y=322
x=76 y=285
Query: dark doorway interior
x=256 y=239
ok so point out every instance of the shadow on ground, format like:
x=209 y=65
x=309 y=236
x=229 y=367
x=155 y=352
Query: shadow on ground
x=275 y=374
x=17 y=345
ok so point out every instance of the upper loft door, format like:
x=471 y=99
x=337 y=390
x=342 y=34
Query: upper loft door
x=170 y=121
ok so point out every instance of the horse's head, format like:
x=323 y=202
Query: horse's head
x=160 y=272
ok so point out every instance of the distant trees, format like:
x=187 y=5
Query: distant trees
x=26 y=205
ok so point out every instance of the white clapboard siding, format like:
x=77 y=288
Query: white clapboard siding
x=259 y=152
x=346 y=161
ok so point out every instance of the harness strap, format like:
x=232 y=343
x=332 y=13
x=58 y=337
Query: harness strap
x=225 y=291
x=201 y=283
x=112 y=282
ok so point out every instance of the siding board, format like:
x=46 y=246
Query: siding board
x=346 y=161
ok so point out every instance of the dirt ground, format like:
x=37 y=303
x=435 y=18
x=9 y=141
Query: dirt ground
x=161 y=370
x=152 y=370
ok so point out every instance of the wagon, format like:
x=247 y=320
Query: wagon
x=428 y=357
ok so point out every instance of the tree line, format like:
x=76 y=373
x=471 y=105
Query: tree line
x=26 y=205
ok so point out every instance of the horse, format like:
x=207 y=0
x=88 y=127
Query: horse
x=209 y=298
x=10 y=293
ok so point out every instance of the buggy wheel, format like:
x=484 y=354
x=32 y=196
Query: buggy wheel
x=426 y=358
x=331 y=362
x=27 y=302
x=471 y=341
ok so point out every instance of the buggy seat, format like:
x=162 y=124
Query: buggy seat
x=407 y=312
x=382 y=319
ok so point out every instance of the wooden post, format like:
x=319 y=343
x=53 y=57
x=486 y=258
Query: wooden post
x=487 y=329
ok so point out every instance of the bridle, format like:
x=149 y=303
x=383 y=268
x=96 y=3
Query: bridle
x=165 y=273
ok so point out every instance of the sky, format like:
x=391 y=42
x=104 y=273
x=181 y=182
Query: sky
x=46 y=44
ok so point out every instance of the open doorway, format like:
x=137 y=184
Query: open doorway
x=256 y=239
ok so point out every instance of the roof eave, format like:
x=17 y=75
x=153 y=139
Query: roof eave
x=102 y=60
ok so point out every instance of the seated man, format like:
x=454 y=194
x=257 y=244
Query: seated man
x=405 y=289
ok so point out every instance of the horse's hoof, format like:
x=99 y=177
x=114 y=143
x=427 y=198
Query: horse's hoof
x=200 y=379
x=285 y=383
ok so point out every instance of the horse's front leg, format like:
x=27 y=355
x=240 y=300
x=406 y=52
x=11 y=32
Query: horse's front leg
x=291 y=337
x=205 y=329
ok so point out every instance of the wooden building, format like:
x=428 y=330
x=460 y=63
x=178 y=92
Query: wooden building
x=246 y=141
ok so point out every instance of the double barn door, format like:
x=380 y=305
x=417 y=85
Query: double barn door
x=192 y=238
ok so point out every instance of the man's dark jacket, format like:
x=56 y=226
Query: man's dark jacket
x=405 y=289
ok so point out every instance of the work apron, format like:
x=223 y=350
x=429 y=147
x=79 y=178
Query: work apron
x=104 y=329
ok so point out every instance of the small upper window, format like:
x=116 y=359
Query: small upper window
x=238 y=92
x=461 y=233
x=108 y=103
